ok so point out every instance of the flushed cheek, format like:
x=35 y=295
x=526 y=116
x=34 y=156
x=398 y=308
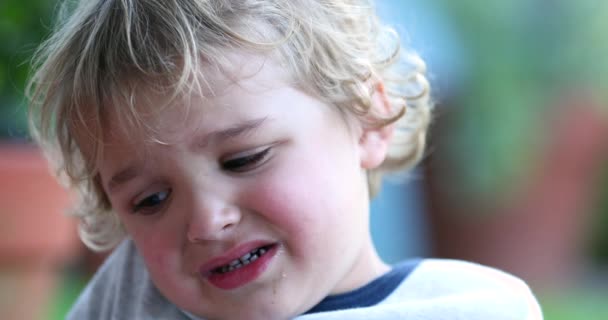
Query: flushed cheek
x=162 y=257
x=292 y=209
x=280 y=208
x=166 y=270
x=157 y=261
x=318 y=250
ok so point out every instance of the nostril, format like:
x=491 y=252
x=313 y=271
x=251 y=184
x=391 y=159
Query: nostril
x=230 y=217
x=228 y=226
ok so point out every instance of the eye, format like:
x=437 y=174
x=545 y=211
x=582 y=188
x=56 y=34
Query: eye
x=247 y=161
x=151 y=203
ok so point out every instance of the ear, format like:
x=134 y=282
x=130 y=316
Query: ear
x=374 y=140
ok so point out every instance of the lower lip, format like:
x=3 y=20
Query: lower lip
x=243 y=275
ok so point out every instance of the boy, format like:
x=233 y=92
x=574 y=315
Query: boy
x=231 y=147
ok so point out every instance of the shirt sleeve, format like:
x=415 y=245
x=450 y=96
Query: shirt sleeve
x=122 y=290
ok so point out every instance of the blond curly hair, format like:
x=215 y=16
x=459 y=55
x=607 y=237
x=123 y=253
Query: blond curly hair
x=102 y=50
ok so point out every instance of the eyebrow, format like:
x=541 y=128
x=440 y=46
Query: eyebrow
x=232 y=132
x=122 y=176
x=240 y=129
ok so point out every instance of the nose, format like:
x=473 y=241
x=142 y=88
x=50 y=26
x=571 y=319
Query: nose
x=212 y=220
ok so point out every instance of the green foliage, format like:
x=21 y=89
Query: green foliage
x=583 y=304
x=23 y=25
x=72 y=284
x=522 y=56
x=599 y=228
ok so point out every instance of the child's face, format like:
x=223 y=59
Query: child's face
x=258 y=169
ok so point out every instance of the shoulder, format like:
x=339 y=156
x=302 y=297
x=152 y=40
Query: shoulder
x=447 y=290
x=121 y=289
x=467 y=285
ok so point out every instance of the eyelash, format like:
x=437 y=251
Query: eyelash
x=151 y=204
x=247 y=162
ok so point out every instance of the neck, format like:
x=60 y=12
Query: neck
x=368 y=267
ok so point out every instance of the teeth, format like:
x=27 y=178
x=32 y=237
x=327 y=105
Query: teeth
x=246 y=257
x=242 y=261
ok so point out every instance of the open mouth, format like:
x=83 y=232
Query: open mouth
x=244 y=260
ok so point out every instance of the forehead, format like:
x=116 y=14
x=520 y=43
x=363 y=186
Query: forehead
x=149 y=107
x=155 y=117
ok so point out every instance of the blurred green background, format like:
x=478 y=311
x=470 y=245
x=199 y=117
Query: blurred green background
x=23 y=24
x=517 y=170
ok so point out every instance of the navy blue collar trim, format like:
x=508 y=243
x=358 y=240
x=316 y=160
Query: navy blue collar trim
x=370 y=294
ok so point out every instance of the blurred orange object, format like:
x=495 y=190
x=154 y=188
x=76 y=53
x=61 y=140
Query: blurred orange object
x=36 y=237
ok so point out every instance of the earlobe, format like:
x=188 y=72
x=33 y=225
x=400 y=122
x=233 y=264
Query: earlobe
x=374 y=146
x=374 y=140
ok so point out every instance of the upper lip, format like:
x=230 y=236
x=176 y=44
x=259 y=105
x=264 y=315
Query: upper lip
x=230 y=255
